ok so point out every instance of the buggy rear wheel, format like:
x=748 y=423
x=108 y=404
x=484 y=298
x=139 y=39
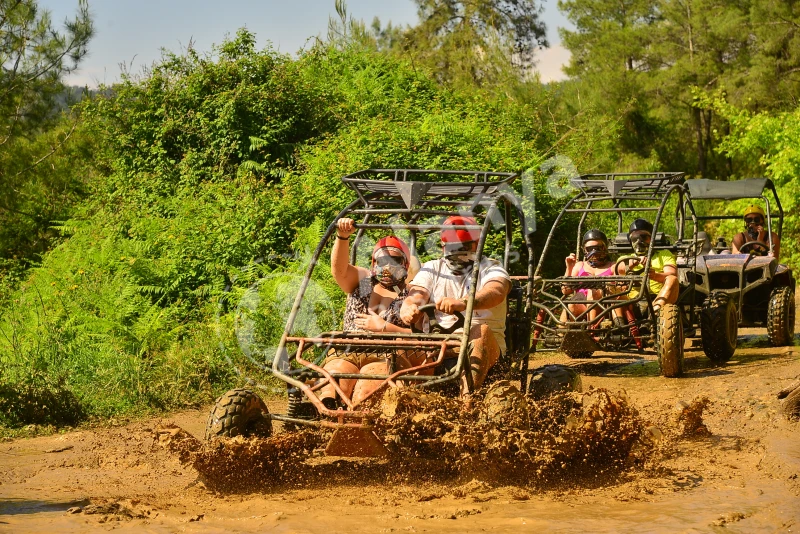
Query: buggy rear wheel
x=780 y=317
x=551 y=379
x=719 y=327
x=670 y=341
x=239 y=412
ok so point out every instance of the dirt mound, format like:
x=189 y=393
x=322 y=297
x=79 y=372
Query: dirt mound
x=499 y=435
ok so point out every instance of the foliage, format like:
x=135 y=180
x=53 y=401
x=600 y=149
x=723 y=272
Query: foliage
x=35 y=56
x=771 y=142
x=652 y=56
x=467 y=41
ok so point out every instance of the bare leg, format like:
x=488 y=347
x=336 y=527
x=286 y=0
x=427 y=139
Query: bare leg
x=485 y=352
x=668 y=293
x=576 y=309
x=347 y=384
x=364 y=388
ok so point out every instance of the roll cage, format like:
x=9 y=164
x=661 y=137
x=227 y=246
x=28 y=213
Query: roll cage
x=556 y=326
x=749 y=188
x=407 y=199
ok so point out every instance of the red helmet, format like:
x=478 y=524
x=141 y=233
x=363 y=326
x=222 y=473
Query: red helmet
x=391 y=241
x=459 y=236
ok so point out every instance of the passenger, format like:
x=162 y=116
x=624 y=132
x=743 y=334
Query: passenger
x=663 y=267
x=596 y=262
x=755 y=231
x=373 y=305
x=446 y=282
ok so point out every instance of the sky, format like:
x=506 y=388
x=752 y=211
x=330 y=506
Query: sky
x=133 y=32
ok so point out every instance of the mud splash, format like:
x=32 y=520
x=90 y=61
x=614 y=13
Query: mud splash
x=689 y=417
x=499 y=435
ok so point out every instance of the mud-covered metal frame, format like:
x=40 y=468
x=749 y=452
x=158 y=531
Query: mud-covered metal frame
x=619 y=194
x=399 y=199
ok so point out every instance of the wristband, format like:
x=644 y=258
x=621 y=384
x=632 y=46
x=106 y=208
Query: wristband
x=343 y=238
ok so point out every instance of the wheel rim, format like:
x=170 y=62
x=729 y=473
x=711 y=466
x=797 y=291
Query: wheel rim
x=733 y=324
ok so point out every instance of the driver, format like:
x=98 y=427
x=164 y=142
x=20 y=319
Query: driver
x=754 y=231
x=663 y=267
x=446 y=282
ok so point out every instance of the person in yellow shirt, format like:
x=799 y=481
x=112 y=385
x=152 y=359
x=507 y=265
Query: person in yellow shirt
x=663 y=267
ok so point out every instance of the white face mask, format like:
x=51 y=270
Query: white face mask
x=460 y=262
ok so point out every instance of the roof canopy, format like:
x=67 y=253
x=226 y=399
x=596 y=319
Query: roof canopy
x=711 y=189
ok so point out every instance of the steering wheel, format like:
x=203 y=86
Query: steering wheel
x=621 y=287
x=757 y=248
x=435 y=327
x=627 y=262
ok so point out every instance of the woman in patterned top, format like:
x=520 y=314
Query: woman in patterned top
x=373 y=304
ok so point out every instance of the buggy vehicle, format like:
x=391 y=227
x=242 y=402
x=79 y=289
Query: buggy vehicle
x=390 y=200
x=747 y=289
x=558 y=328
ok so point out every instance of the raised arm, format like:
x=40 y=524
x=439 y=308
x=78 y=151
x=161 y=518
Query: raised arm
x=346 y=275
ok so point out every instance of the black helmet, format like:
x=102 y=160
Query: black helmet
x=594 y=235
x=641 y=224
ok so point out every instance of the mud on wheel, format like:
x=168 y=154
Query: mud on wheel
x=239 y=412
x=670 y=341
x=780 y=317
x=719 y=327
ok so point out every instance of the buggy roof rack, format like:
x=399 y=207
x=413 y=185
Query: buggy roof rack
x=715 y=189
x=642 y=185
x=411 y=185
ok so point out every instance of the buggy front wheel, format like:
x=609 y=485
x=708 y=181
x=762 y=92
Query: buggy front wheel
x=239 y=412
x=780 y=317
x=670 y=341
x=719 y=327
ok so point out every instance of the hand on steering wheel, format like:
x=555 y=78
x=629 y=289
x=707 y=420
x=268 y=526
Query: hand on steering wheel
x=757 y=248
x=435 y=327
x=622 y=287
x=629 y=263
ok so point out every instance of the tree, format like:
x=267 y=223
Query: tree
x=474 y=41
x=609 y=60
x=34 y=57
x=700 y=43
x=774 y=79
x=657 y=52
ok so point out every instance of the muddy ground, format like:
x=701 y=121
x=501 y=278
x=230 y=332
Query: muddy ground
x=743 y=475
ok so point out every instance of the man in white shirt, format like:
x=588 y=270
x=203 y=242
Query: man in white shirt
x=446 y=282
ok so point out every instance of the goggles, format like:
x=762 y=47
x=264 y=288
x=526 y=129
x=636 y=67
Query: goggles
x=594 y=248
x=388 y=261
x=756 y=219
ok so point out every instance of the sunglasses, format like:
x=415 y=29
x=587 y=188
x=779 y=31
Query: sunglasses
x=640 y=235
x=593 y=248
x=755 y=219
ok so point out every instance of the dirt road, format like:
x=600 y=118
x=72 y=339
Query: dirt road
x=743 y=477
